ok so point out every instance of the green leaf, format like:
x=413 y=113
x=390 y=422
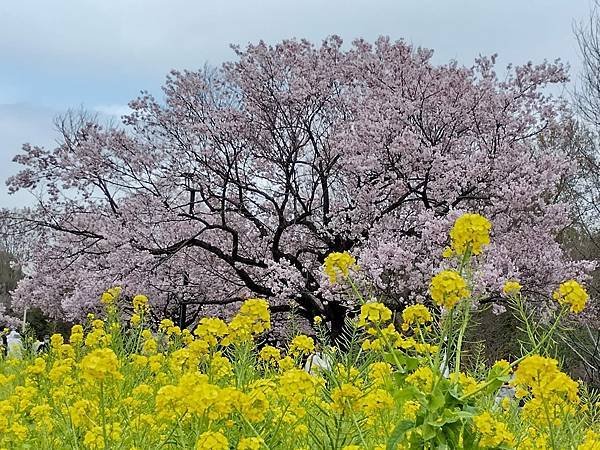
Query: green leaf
x=407 y=363
x=438 y=399
x=399 y=431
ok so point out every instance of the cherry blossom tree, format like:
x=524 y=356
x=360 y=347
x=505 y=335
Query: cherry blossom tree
x=243 y=178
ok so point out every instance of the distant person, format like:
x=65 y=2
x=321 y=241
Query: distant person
x=317 y=362
x=4 y=346
x=45 y=345
x=14 y=345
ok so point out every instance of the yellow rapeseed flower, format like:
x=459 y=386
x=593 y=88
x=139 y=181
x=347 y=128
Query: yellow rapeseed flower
x=447 y=288
x=100 y=364
x=410 y=409
x=111 y=296
x=511 y=288
x=250 y=443
x=470 y=231
x=302 y=345
x=344 y=397
x=493 y=432
x=135 y=320
x=416 y=314
x=212 y=440
x=591 y=441
x=338 y=265
x=269 y=354
x=140 y=303
x=422 y=379
x=573 y=294
x=374 y=313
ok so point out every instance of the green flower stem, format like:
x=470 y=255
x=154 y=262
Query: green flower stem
x=355 y=290
x=465 y=321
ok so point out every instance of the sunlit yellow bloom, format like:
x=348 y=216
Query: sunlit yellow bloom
x=140 y=303
x=135 y=320
x=422 y=378
x=591 y=441
x=111 y=296
x=410 y=409
x=302 y=345
x=269 y=354
x=448 y=252
x=296 y=386
x=100 y=364
x=379 y=371
x=251 y=443
x=345 y=397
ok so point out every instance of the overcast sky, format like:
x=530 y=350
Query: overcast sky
x=99 y=54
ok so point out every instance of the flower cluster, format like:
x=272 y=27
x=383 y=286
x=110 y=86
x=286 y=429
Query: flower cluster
x=494 y=433
x=111 y=296
x=511 y=288
x=416 y=315
x=120 y=383
x=218 y=388
x=573 y=294
x=338 y=265
x=470 y=232
x=550 y=393
x=374 y=313
x=447 y=288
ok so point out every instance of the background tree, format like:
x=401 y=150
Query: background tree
x=245 y=177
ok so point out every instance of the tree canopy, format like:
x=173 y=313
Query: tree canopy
x=243 y=178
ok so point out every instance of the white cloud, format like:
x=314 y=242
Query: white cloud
x=113 y=110
x=133 y=36
x=99 y=52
